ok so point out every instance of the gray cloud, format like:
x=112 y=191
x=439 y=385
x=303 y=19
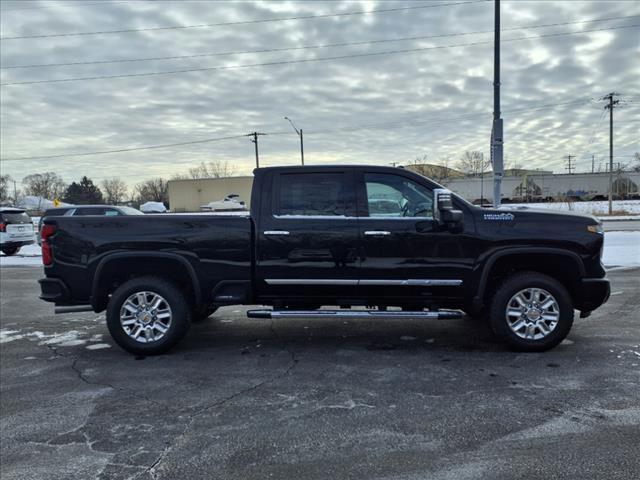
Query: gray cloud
x=436 y=102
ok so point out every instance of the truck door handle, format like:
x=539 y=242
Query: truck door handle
x=377 y=233
x=276 y=232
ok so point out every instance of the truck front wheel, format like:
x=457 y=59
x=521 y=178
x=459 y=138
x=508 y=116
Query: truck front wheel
x=531 y=312
x=148 y=315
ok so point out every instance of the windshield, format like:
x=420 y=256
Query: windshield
x=130 y=211
x=15 y=217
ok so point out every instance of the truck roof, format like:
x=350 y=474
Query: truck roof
x=327 y=167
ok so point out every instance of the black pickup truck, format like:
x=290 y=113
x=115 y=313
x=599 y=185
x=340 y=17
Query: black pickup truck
x=382 y=238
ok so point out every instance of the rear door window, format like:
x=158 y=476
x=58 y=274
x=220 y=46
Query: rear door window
x=315 y=195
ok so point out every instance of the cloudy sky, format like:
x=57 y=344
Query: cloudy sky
x=434 y=100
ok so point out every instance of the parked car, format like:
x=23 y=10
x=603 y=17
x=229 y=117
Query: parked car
x=313 y=240
x=230 y=203
x=83 y=210
x=16 y=230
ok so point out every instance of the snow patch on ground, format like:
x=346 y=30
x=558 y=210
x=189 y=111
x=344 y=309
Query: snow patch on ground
x=71 y=338
x=98 y=346
x=621 y=249
x=28 y=255
x=597 y=208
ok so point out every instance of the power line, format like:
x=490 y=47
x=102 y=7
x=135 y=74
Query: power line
x=308 y=47
x=122 y=150
x=344 y=129
x=75 y=4
x=246 y=22
x=440 y=121
x=307 y=60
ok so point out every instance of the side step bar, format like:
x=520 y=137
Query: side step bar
x=431 y=315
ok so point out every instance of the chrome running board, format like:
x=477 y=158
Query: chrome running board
x=74 y=309
x=430 y=315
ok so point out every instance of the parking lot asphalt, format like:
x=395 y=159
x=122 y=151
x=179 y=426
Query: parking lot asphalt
x=316 y=399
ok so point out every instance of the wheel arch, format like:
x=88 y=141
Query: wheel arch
x=563 y=265
x=119 y=267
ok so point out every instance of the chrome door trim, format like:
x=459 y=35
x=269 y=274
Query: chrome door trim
x=276 y=232
x=314 y=217
x=424 y=282
x=302 y=281
x=414 y=282
x=377 y=233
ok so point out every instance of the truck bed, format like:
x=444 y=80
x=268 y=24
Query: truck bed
x=217 y=247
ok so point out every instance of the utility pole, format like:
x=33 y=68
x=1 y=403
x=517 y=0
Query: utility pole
x=612 y=103
x=481 y=182
x=496 y=130
x=569 y=167
x=255 y=141
x=299 y=132
x=593 y=163
x=15 y=194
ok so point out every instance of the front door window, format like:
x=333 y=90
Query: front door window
x=394 y=196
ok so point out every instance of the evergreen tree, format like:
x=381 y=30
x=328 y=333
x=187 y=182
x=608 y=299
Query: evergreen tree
x=83 y=193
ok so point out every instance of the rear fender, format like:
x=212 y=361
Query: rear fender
x=103 y=273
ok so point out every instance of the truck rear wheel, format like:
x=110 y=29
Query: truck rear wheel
x=148 y=315
x=531 y=312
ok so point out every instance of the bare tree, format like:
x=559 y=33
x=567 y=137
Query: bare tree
x=473 y=163
x=46 y=185
x=180 y=176
x=153 y=190
x=635 y=163
x=213 y=169
x=115 y=190
x=6 y=182
x=419 y=165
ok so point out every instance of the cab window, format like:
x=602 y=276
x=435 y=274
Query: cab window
x=394 y=196
x=89 y=211
x=311 y=195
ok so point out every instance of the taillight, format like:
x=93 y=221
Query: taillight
x=3 y=226
x=45 y=232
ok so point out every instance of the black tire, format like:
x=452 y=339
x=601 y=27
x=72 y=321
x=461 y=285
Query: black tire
x=180 y=318
x=517 y=283
x=201 y=314
x=10 y=250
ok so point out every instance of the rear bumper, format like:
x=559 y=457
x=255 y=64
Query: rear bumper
x=54 y=290
x=595 y=292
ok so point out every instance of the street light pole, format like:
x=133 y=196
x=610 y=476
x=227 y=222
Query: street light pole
x=299 y=132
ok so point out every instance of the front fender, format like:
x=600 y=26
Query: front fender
x=484 y=268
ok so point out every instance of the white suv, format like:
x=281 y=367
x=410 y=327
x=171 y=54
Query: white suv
x=16 y=230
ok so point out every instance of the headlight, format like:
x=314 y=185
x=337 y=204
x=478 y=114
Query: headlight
x=597 y=228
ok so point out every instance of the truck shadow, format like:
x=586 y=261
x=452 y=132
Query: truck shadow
x=249 y=335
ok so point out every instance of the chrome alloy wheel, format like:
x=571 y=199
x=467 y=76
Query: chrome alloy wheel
x=145 y=316
x=532 y=313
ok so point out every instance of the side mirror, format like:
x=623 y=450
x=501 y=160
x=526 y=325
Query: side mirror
x=443 y=211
